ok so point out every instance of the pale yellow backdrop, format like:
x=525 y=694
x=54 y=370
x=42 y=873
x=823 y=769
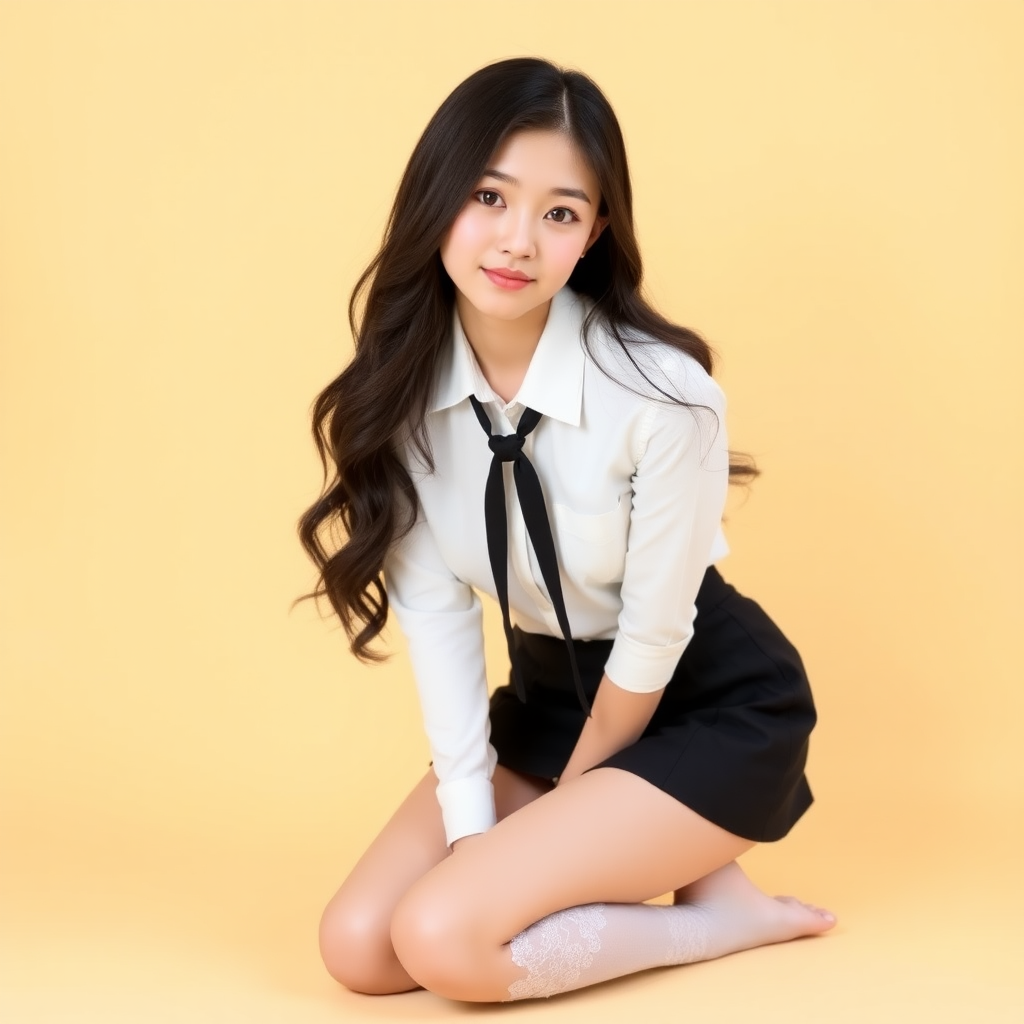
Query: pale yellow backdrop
x=830 y=191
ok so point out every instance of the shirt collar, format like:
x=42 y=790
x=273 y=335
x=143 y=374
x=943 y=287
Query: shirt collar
x=553 y=384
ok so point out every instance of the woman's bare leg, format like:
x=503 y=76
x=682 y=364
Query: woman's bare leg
x=355 y=930
x=606 y=837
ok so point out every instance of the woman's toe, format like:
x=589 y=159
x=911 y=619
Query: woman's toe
x=806 y=918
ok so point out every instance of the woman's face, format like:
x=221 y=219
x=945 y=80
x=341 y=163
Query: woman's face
x=533 y=213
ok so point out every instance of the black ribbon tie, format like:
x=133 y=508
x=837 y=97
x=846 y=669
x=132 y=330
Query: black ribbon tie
x=509 y=448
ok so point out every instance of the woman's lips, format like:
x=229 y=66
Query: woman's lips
x=512 y=280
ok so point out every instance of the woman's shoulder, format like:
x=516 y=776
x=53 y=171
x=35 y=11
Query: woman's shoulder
x=652 y=369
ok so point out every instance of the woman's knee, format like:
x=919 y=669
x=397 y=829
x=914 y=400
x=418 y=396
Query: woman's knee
x=355 y=945
x=440 y=941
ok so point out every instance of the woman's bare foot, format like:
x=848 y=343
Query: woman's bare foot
x=740 y=916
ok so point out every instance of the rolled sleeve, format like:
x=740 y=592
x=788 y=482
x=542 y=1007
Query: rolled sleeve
x=679 y=490
x=440 y=617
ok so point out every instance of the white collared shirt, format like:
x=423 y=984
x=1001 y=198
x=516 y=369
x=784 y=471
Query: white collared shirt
x=635 y=488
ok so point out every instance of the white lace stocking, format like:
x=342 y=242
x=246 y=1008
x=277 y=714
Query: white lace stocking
x=584 y=945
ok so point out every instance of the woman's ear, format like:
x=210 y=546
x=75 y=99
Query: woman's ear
x=595 y=232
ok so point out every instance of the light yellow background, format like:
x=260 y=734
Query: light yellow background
x=830 y=191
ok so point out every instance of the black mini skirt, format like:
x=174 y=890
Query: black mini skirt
x=729 y=737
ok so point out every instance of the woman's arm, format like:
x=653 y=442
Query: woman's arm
x=441 y=619
x=679 y=487
x=617 y=719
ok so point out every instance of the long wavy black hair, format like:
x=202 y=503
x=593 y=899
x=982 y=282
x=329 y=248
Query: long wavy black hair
x=401 y=313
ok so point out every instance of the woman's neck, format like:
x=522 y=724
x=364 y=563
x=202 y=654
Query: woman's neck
x=503 y=348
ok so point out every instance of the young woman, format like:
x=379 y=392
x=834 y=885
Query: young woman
x=517 y=421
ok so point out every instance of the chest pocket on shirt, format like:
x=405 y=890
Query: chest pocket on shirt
x=592 y=548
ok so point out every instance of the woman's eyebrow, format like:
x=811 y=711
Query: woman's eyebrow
x=572 y=193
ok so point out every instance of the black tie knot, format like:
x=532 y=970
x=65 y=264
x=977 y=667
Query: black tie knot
x=506 y=447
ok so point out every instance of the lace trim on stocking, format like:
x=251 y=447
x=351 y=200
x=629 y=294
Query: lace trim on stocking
x=555 y=950
x=689 y=934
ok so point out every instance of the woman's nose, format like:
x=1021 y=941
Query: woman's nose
x=517 y=237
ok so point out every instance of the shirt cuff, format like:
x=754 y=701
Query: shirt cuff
x=467 y=807
x=643 y=668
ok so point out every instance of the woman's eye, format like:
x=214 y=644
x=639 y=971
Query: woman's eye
x=488 y=198
x=562 y=215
